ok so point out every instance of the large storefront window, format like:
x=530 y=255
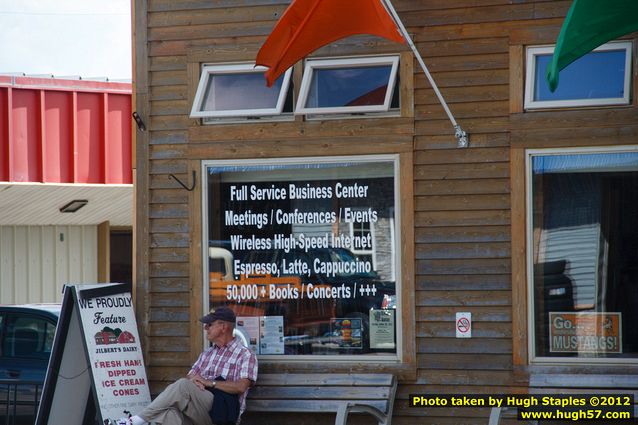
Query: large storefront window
x=304 y=251
x=583 y=243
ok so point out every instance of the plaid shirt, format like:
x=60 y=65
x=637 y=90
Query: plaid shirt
x=233 y=362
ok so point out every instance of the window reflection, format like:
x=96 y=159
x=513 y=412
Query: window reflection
x=291 y=251
x=349 y=86
x=585 y=254
x=582 y=79
x=238 y=91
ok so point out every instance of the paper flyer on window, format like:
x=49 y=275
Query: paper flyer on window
x=248 y=328
x=271 y=335
x=382 y=325
x=347 y=332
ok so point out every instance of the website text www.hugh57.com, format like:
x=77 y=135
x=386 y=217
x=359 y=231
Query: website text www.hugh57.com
x=573 y=415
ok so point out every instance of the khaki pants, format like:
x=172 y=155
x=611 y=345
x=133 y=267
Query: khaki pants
x=181 y=403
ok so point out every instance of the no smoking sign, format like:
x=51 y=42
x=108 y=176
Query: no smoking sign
x=464 y=325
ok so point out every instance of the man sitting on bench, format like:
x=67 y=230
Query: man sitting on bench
x=227 y=366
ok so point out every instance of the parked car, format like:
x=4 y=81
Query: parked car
x=26 y=339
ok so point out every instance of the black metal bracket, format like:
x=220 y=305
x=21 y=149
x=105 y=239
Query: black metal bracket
x=138 y=121
x=190 y=189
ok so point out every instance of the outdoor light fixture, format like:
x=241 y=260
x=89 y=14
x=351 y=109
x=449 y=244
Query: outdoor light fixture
x=74 y=205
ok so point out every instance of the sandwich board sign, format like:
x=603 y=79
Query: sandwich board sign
x=96 y=371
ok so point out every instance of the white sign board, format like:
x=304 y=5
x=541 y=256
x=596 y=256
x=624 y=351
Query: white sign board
x=464 y=325
x=96 y=369
x=115 y=356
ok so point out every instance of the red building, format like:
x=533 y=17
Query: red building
x=105 y=338
x=125 y=338
x=66 y=184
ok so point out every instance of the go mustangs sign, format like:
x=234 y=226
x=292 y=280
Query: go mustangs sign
x=585 y=332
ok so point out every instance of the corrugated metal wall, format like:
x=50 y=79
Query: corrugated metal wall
x=65 y=131
x=36 y=261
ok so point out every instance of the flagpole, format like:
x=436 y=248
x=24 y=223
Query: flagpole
x=461 y=136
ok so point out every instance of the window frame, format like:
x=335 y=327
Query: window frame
x=530 y=79
x=529 y=252
x=402 y=356
x=229 y=69
x=329 y=63
x=372 y=252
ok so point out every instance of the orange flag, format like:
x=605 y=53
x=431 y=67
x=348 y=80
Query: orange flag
x=306 y=25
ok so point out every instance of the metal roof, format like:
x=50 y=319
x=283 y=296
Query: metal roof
x=61 y=140
x=39 y=204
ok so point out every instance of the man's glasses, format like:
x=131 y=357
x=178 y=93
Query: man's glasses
x=210 y=325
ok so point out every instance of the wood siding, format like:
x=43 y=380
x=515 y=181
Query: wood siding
x=467 y=211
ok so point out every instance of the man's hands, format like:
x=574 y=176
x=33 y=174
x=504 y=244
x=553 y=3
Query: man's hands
x=231 y=387
x=201 y=382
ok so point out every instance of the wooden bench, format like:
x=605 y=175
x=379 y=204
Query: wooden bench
x=325 y=393
x=496 y=413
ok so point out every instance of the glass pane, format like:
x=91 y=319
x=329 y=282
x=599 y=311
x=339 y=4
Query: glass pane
x=4 y=344
x=28 y=337
x=353 y=86
x=49 y=336
x=282 y=255
x=597 y=75
x=240 y=91
x=585 y=254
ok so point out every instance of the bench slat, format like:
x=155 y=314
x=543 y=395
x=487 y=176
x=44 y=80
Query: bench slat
x=320 y=392
x=337 y=379
x=339 y=393
x=317 y=406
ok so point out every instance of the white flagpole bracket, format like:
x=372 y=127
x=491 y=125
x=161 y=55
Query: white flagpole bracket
x=462 y=138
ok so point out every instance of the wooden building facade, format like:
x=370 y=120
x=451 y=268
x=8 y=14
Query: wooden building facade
x=463 y=212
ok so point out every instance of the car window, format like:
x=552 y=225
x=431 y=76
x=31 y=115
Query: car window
x=1 y=335
x=49 y=335
x=28 y=337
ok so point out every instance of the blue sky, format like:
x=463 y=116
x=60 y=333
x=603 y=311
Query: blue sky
x=87 y=38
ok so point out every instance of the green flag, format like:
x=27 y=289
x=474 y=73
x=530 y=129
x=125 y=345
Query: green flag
x=589 y=24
